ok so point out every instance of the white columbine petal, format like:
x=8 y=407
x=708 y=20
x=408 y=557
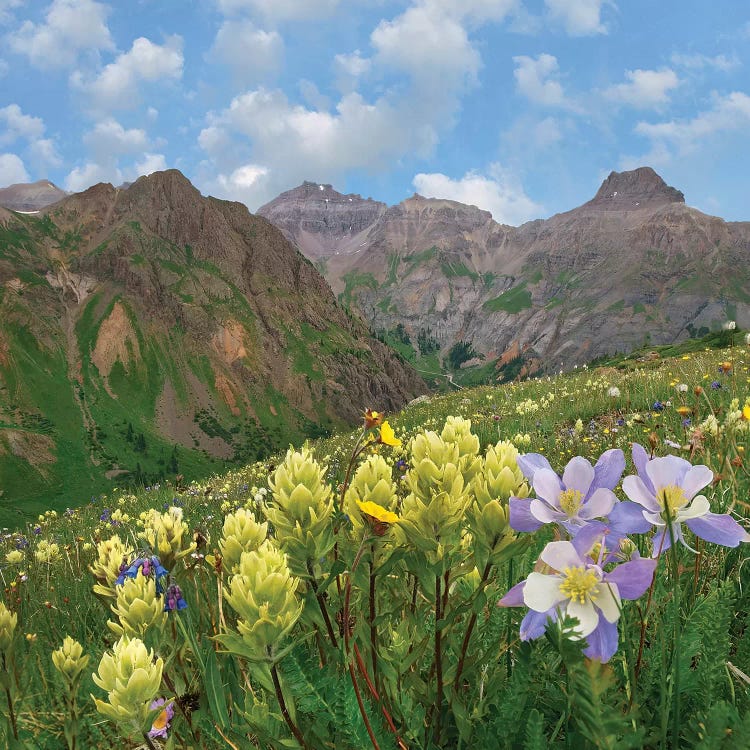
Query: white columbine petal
x=542 y=512
x=598 y=505
x=699 y=507
x=561 y=555
x=608 y=601
x=547 y=486
x=586 y=615
x=666 y=471
x=542 y=592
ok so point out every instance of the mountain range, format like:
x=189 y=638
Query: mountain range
x=150 y=331
x=445 y=282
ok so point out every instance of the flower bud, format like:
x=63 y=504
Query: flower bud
x=138 y=608
x=131 y=678
x=263 y=593
x=241 y=533
x=302 y=509
x=8 y=622
x=372 y=482
x=457 y=430
x=110 y=556
x=168 y=536
x=69 y=660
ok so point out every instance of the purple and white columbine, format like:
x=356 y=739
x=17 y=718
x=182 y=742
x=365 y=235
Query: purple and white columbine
x=665 y=491
x=583 y=493
x=580 y=588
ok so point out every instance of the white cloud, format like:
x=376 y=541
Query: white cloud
x=252 y=53
x=429 y=45
x=281 y=10
x=70 y=28
x=580 y=17
x=12 y=170
x=15 y=124
x=500 y=193
x=475 y=10
x=6 y=6
x=43 y=152
x=150 y=163
x=349 y=69
x=729 y=113
x=537 y=80
x=4 y=68
x=90 y=174
x=109 y=139
x=699 y=62
x=645 y=88
x=116 y=87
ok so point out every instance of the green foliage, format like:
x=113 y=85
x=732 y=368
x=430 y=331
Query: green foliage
x=460 y=352
x=513 y=301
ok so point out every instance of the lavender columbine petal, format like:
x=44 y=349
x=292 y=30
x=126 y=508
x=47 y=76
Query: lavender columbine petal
x=627 y=518
x=534 y=624
x=578 y=475
x=719 y=528
x=530 y=462
x=632 y=578
x=640 y=459
x=598 y=505
x=608 y=469
x=588 y=535
x=602 y=642
x=514 y=598
x=521 y=517
x=661 y=541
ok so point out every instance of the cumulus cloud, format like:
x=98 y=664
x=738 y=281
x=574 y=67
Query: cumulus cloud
x=644 y=88
x=700 y=62
x=15 y=124
x=579 y=17
x=281 y=10
x=149 y=164
x=252 y=53
x=500 y=193
x=109 y=139
x=90 y=174
x=70 y=27
x=537 y=80
x=728 y=113
x=116 y=87
x=6 y=8
x=43 y=153
x=12 y=170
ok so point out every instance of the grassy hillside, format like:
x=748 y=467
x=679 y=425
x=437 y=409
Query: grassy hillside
x=435 y=662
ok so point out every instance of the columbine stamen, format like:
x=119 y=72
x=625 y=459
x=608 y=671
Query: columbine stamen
x=673 y=498
x=570 y=501
x=579 y=584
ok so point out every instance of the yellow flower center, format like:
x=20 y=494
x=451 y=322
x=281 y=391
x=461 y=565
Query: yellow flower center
x=672 y=498
x=579 y=584
x=570 y=501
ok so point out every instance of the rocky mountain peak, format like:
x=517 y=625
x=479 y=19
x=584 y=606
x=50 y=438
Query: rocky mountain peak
x=31 y=196
x=637 y=188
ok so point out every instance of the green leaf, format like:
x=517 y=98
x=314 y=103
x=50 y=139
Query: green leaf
x=217 y=701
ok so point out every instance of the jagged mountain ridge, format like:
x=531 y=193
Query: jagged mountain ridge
x=187 y=318
x=632 y=264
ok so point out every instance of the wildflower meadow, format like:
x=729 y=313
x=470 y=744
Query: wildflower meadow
x=559 y=562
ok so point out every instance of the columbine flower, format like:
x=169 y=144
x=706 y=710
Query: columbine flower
x=387 y=436
x=666 y=489
x=162 y=721
x=583 y=493
x=579 y=588
x=378 y=518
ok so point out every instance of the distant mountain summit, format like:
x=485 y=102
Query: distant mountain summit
x=151 y=327
x=30 y=196
x=632 y=265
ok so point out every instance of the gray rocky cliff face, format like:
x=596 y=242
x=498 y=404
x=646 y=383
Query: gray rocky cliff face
x=634 y=264
x=30 y=197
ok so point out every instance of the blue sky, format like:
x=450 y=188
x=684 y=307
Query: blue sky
x=519 y=106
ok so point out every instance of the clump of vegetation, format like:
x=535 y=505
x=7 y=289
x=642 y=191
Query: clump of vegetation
x=345 y=594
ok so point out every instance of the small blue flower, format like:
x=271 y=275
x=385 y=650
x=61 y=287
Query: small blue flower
x=173 y=598
x=658 y=406
x=686 y=422
x=716 y=385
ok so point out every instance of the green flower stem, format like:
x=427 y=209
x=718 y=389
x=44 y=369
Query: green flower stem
x=674 y=558
x=438 y=663
x=470 y=630
x=321 y=603
x=11 y=713
x=373 y=627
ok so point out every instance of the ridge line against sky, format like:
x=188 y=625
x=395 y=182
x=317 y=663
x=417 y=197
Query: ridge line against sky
x=520 y=107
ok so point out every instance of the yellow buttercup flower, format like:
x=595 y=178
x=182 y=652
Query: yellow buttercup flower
x=746 y=412
x=388 y=436
x=378 y=518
